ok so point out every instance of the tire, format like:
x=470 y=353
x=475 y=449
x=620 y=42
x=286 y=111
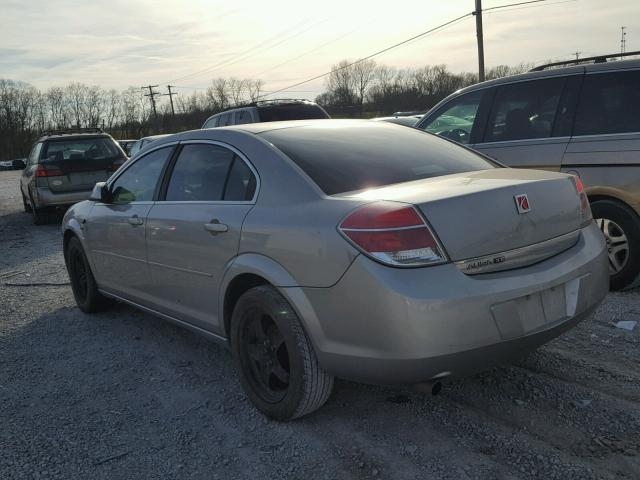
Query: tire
x=264 y=328
x=621 y=227
x=83 y=283
x=40 y=215
x=27 y=206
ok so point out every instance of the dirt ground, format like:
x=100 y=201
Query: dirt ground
x=122 y=394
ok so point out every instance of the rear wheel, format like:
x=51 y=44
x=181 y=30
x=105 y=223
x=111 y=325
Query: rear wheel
x=276 y=362
x=83 y=284
x=39 y=215
x=621 y=228
x=26 y=205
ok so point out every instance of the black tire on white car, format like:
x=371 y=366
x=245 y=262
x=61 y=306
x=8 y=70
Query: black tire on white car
x=621 y=228
x=275 y=359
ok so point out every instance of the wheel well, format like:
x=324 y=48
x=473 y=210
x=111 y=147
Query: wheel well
x=236 y=288
x=68 y=234
x=624 y=205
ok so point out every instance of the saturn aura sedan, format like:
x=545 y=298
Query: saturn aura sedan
x=354 y=249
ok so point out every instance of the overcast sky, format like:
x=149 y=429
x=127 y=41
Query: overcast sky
x=120 y=43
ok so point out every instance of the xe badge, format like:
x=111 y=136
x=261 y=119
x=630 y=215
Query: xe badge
x=522 y=202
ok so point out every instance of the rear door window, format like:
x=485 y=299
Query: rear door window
x=35 y=153
x=211 y=123
x=524 y=110
x=200 y=173
x=609 y=103
x=455 y=120
x=225 y=119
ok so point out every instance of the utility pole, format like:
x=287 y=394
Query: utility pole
x=171 y=94
x=152 y=94
x=577 y=54
x=623 y=41
x=478 y=14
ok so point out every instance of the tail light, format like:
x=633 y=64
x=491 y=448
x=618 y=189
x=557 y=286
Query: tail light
x=585 y=208
x=394 y=234
x=117 y=163
x=44 y=171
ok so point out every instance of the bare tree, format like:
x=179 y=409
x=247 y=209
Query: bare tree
x=254 y=89
x=363 y=75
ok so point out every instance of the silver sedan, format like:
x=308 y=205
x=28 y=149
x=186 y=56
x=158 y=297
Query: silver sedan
x=353 y=249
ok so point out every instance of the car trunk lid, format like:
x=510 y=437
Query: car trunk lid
x=475 y=214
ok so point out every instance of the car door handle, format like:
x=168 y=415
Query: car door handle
x=135 y=220
x=216 y=227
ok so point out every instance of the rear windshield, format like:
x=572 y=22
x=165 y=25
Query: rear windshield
x=371 y=154
x=97 y=148
x=275 y=113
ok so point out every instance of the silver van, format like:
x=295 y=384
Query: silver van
x=582 y=119
x=267 y=111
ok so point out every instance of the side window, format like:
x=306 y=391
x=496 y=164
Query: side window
x=609 y=103
x=211 y=123
x=524 y=110
x=35 y=154
x=241 y=184
x=200 y=173
x=243 y=116
x=455 y=119
x=138 y=182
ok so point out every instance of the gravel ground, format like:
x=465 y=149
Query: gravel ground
x=124 y=395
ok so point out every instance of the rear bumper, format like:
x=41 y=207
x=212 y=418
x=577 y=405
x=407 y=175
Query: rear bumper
x=47 y=198
x=389 y=325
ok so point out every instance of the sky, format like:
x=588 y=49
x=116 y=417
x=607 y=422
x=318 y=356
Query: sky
x=119 y=43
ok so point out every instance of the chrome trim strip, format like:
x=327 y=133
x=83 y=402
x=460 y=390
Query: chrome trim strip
x=412 y=227
x=519 y=257
x=180 y=269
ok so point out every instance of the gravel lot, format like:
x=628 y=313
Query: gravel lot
x=124 y=395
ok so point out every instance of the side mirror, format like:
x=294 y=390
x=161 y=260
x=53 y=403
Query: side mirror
x=19 y=164
x=101 y=193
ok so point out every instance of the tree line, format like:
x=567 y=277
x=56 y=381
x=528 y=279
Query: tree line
x=363 y=89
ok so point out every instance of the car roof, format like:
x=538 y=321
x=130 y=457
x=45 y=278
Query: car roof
x=154 y=137
x=554 y=72
x=72 y=136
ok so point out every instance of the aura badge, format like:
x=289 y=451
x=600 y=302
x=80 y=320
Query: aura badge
x=522 y=203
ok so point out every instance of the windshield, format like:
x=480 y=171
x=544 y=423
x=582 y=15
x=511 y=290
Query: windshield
x=96 y=148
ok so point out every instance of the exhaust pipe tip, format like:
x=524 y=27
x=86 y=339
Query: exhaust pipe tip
x=433 y=388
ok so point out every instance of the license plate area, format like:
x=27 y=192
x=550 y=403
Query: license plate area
x=537 y=311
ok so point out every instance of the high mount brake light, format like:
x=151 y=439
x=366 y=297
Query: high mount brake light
x=392 y=233
x=585 y=208
x=42 y=171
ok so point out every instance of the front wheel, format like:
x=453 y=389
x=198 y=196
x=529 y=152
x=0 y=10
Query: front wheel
x=278 y=367
x=621 y=228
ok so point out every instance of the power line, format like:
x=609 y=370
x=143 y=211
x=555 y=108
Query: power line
x=512 y=5
x=260 y=48
x=380 y=52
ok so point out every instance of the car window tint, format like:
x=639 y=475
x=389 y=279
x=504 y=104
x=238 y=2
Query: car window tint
x=524 y=110
x=609 y=103
x=241 y=184
x=243 y=116
x=138 y=182
x=278 y=112
x=200 y=173
x=371 y=154
x=455 y=119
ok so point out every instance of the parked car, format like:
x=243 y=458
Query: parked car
x=581 y=119
x=406 y=120
x=64 y=166
x=267 y=111
x=143 y=142
x=126 y=145
x=312 y=255
x=15 y=164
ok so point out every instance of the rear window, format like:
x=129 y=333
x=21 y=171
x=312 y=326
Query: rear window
x=97 y=148
x=346 y=159
x=276 y=113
